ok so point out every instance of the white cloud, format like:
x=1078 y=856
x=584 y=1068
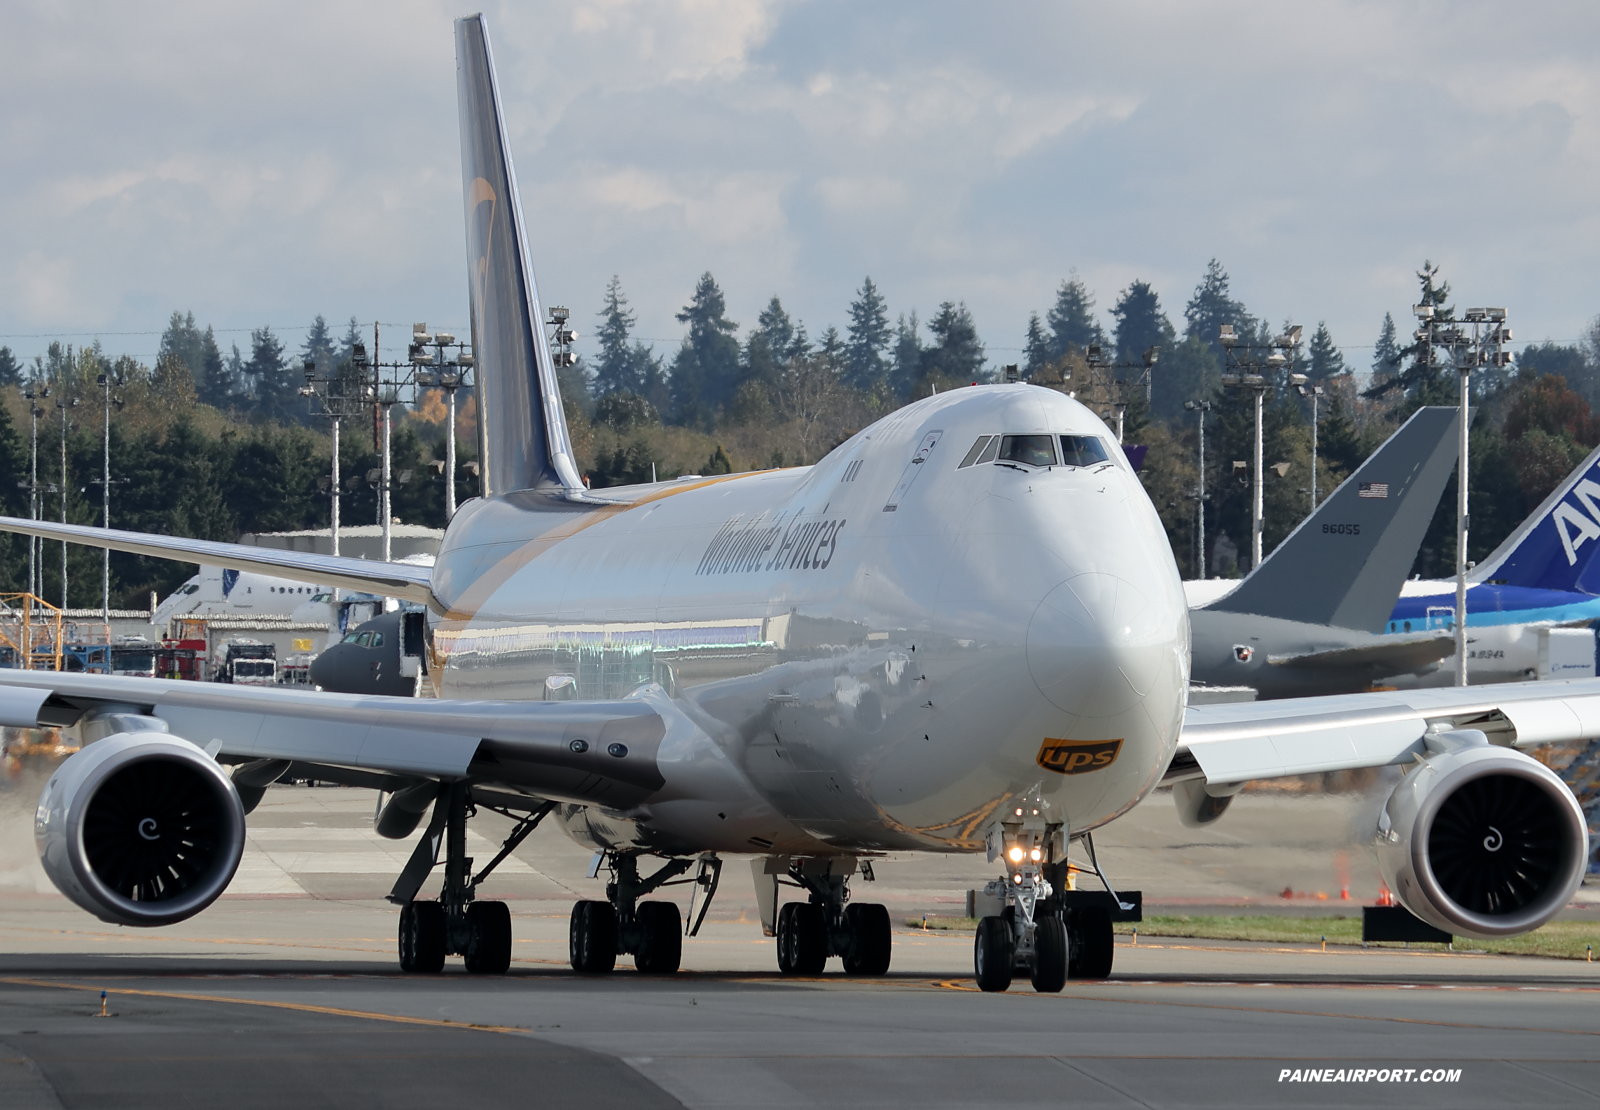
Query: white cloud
x=266 y=164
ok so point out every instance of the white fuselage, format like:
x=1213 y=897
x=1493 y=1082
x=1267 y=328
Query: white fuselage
x=847 y=677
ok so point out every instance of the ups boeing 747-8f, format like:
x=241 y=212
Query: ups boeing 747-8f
x=961 y=631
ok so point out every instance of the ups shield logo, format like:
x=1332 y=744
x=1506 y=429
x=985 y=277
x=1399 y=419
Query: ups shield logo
x=1074 y=757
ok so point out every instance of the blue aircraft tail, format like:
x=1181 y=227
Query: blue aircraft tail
x=522 y=429
x=1555 y=548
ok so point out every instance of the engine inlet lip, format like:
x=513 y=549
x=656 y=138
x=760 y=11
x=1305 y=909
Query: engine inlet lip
x=1495 y=762
x=219 y=875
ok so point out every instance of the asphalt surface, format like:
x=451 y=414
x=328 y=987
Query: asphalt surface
x=286 y=993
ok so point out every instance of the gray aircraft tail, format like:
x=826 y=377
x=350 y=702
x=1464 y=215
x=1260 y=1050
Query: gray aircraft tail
x=1345 y=563
x=522 y=430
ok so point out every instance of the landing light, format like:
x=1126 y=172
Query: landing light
x=1017 y=878
x=1036 y=855
x=1016 y=855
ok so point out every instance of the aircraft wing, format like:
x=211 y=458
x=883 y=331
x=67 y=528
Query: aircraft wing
x=1230 y=744
x=409 y=583
x=384 y=741
x=1384 y=658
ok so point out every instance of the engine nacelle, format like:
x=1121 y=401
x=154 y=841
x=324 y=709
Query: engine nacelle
x=1483 y=841
x=140 y=828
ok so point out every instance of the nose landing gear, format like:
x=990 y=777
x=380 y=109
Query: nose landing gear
x=1053 y=933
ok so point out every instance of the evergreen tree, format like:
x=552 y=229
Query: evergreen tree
x=1326 y=361
x=616 y=370
x=272 y=386
x=1188 y=371
x=1212 y=306
x=956 y=351
x=347 y=342
x=833 y=353
x=1386 y=352
x=1071 y=319
x=1140 y=323
x=706 y=372
x=907 y=353
x=1036 y=347
x=1428 y=379
x=767 y=348
x=869 y=338
x=318 y=346
x=10 y=368
x=1338 y=442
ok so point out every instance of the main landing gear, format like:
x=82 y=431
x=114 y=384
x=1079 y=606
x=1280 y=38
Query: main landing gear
x=457 y=924
x=824 y=925
x=1051 y=933
x=651 y=931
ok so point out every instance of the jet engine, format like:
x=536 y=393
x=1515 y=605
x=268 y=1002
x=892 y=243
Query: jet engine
x=1482 y=841
x=140 y=828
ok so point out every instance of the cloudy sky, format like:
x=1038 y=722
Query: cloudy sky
x=261 y=164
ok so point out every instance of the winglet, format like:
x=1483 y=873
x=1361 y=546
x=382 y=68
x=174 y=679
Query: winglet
x=1555 y=548
x=1345 y=563
x=522 y=430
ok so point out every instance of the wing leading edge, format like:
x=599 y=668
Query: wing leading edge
x=1230 y=744
x=409 y=583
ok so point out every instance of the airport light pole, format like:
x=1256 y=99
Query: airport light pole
x=62 y=405
x=1095 y=357
x=1484 y=346
x=1315 y=393
x=449 y=375
x=34 y=393
x=1256 y=383
x=1200 y=408
x=105 y=381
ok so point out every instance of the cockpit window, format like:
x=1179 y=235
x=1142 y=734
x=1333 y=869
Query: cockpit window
x=990 y=451
x=977 y=449
x=1083 y=450
x=1028 y=450
x=362 y=638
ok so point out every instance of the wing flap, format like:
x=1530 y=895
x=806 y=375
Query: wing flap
x=401 y=580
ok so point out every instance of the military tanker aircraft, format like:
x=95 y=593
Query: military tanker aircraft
x=961 y=631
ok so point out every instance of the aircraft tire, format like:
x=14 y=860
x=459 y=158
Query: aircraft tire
x=1049 y=955
x=422 y=937
x=489 y=938
x=661 y=941
x=994 y=952
x=592 y=940
x=1091 y=948
x=871 y=943
x=803 y=946
x=785 y=927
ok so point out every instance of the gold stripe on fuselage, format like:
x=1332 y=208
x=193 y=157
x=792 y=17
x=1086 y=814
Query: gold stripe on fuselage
x=476 y=595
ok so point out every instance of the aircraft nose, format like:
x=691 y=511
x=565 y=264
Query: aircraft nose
x=1097 y=645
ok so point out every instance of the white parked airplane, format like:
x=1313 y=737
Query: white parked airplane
x=901 y=647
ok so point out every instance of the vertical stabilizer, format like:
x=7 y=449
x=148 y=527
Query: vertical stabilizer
x=1344 y=564
x=522 y=430
x=1555 y=548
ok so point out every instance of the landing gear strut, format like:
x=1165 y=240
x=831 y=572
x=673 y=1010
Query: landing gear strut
x=824 y=925
x=1052 y=934
x=651 y=931
x=457 y=924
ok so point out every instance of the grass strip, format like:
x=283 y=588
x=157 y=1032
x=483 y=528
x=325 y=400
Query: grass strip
x=1565 y=940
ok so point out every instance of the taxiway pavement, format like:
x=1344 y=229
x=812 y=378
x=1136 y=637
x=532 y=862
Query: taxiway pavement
x=285 y=992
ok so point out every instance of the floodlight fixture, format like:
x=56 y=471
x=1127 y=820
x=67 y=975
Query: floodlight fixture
x=1151 y=354
x=444 y=338
x=1226 y=336
x=1422 y=311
